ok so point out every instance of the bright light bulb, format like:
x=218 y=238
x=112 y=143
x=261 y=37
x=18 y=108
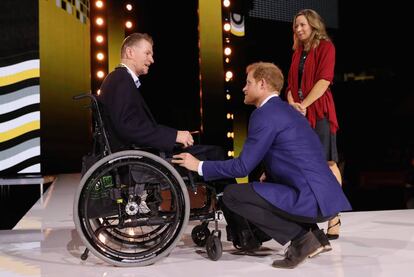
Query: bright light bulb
x=128 y=24
x=99 y=21
x=99 y=38
x=100 y=74
x=100 y=56
x=227 y=27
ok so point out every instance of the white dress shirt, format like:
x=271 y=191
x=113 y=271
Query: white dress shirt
x=133 y=75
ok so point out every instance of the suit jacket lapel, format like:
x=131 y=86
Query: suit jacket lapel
x=144 y=104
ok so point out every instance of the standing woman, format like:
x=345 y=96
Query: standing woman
x=310 y=75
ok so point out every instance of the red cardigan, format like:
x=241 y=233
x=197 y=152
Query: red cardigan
x=319 y=64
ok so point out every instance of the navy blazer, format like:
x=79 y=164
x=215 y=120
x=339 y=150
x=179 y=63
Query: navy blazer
x=130 y=120
x=299 y=181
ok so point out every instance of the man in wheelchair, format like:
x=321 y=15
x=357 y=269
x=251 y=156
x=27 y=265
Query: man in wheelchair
x=128 y=119
x=298 y=189
x=131 y=206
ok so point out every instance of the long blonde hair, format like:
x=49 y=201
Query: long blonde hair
x=318 y=28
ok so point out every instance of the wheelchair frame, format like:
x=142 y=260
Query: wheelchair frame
x=132 y=207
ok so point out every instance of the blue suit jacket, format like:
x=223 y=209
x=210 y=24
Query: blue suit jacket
x=129 y=118
x=301 y=182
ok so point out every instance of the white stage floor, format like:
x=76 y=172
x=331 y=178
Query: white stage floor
x=45 y=243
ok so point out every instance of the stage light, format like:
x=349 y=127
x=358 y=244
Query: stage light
x=99 y=4
x=128 y=7
x=100 y=74
x=99 y=38
x=100 y=56
x=99 y=21
x=230 y=116
x=227 y=60
x=229 y=74
x=128 y=24
x=98 y=92
x=230 y=153
x=227 y=27
x=227 y=51
x=230 y=134
x=228 y=96
x=226 y=3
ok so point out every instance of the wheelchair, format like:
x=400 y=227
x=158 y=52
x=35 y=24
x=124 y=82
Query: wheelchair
x=132 y=207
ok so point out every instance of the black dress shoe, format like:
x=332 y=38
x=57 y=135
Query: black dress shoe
x=298 y=250
x=247 y=242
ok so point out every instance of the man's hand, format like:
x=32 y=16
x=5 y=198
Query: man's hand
x=185 y=138
x=186 y=160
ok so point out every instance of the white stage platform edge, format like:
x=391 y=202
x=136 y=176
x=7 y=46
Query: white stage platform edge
x=45 y=243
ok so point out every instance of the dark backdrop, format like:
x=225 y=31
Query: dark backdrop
x=172 y=86
x=375 y=114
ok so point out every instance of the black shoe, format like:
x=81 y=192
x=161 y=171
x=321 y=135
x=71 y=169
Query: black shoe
x=323 y=239
x=247 y=242
x=298 y=250
x=333 y=228
x=260 y=235
x=229 y=233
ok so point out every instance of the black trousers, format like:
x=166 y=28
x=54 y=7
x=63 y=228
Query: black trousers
x=204 y=152
x=243 y=203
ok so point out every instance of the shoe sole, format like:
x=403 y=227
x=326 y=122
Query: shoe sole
x=332 y=237
x=320 y=250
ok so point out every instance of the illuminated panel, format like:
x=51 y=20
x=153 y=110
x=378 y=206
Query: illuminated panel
x=19 y=89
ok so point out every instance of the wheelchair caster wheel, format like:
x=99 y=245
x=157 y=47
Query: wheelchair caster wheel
x=84 y=255
x=214 y=248
x=199 y=234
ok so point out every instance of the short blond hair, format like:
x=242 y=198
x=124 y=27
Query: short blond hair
x=134 y=39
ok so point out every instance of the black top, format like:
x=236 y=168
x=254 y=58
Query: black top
x=128 y=118
x=301 y=67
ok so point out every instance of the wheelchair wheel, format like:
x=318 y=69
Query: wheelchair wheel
x=214 y=248
x=199 y=234
x=131 y=208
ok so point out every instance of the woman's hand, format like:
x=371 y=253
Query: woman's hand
x=299 y=107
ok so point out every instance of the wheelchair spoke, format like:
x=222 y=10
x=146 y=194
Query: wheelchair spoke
x=132 y=209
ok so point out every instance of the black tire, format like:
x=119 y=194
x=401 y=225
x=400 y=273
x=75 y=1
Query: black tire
x=199 y=234
x=155 y=234
x=214 y=248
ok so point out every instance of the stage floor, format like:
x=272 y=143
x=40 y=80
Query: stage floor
x=45 y=243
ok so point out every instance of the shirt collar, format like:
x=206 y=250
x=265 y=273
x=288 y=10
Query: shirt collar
x=268 y=98
x=133 y=75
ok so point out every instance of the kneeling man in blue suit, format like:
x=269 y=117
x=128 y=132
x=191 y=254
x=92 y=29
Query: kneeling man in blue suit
x=299 y=190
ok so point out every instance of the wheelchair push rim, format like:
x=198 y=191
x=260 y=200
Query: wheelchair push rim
x=135 y=232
